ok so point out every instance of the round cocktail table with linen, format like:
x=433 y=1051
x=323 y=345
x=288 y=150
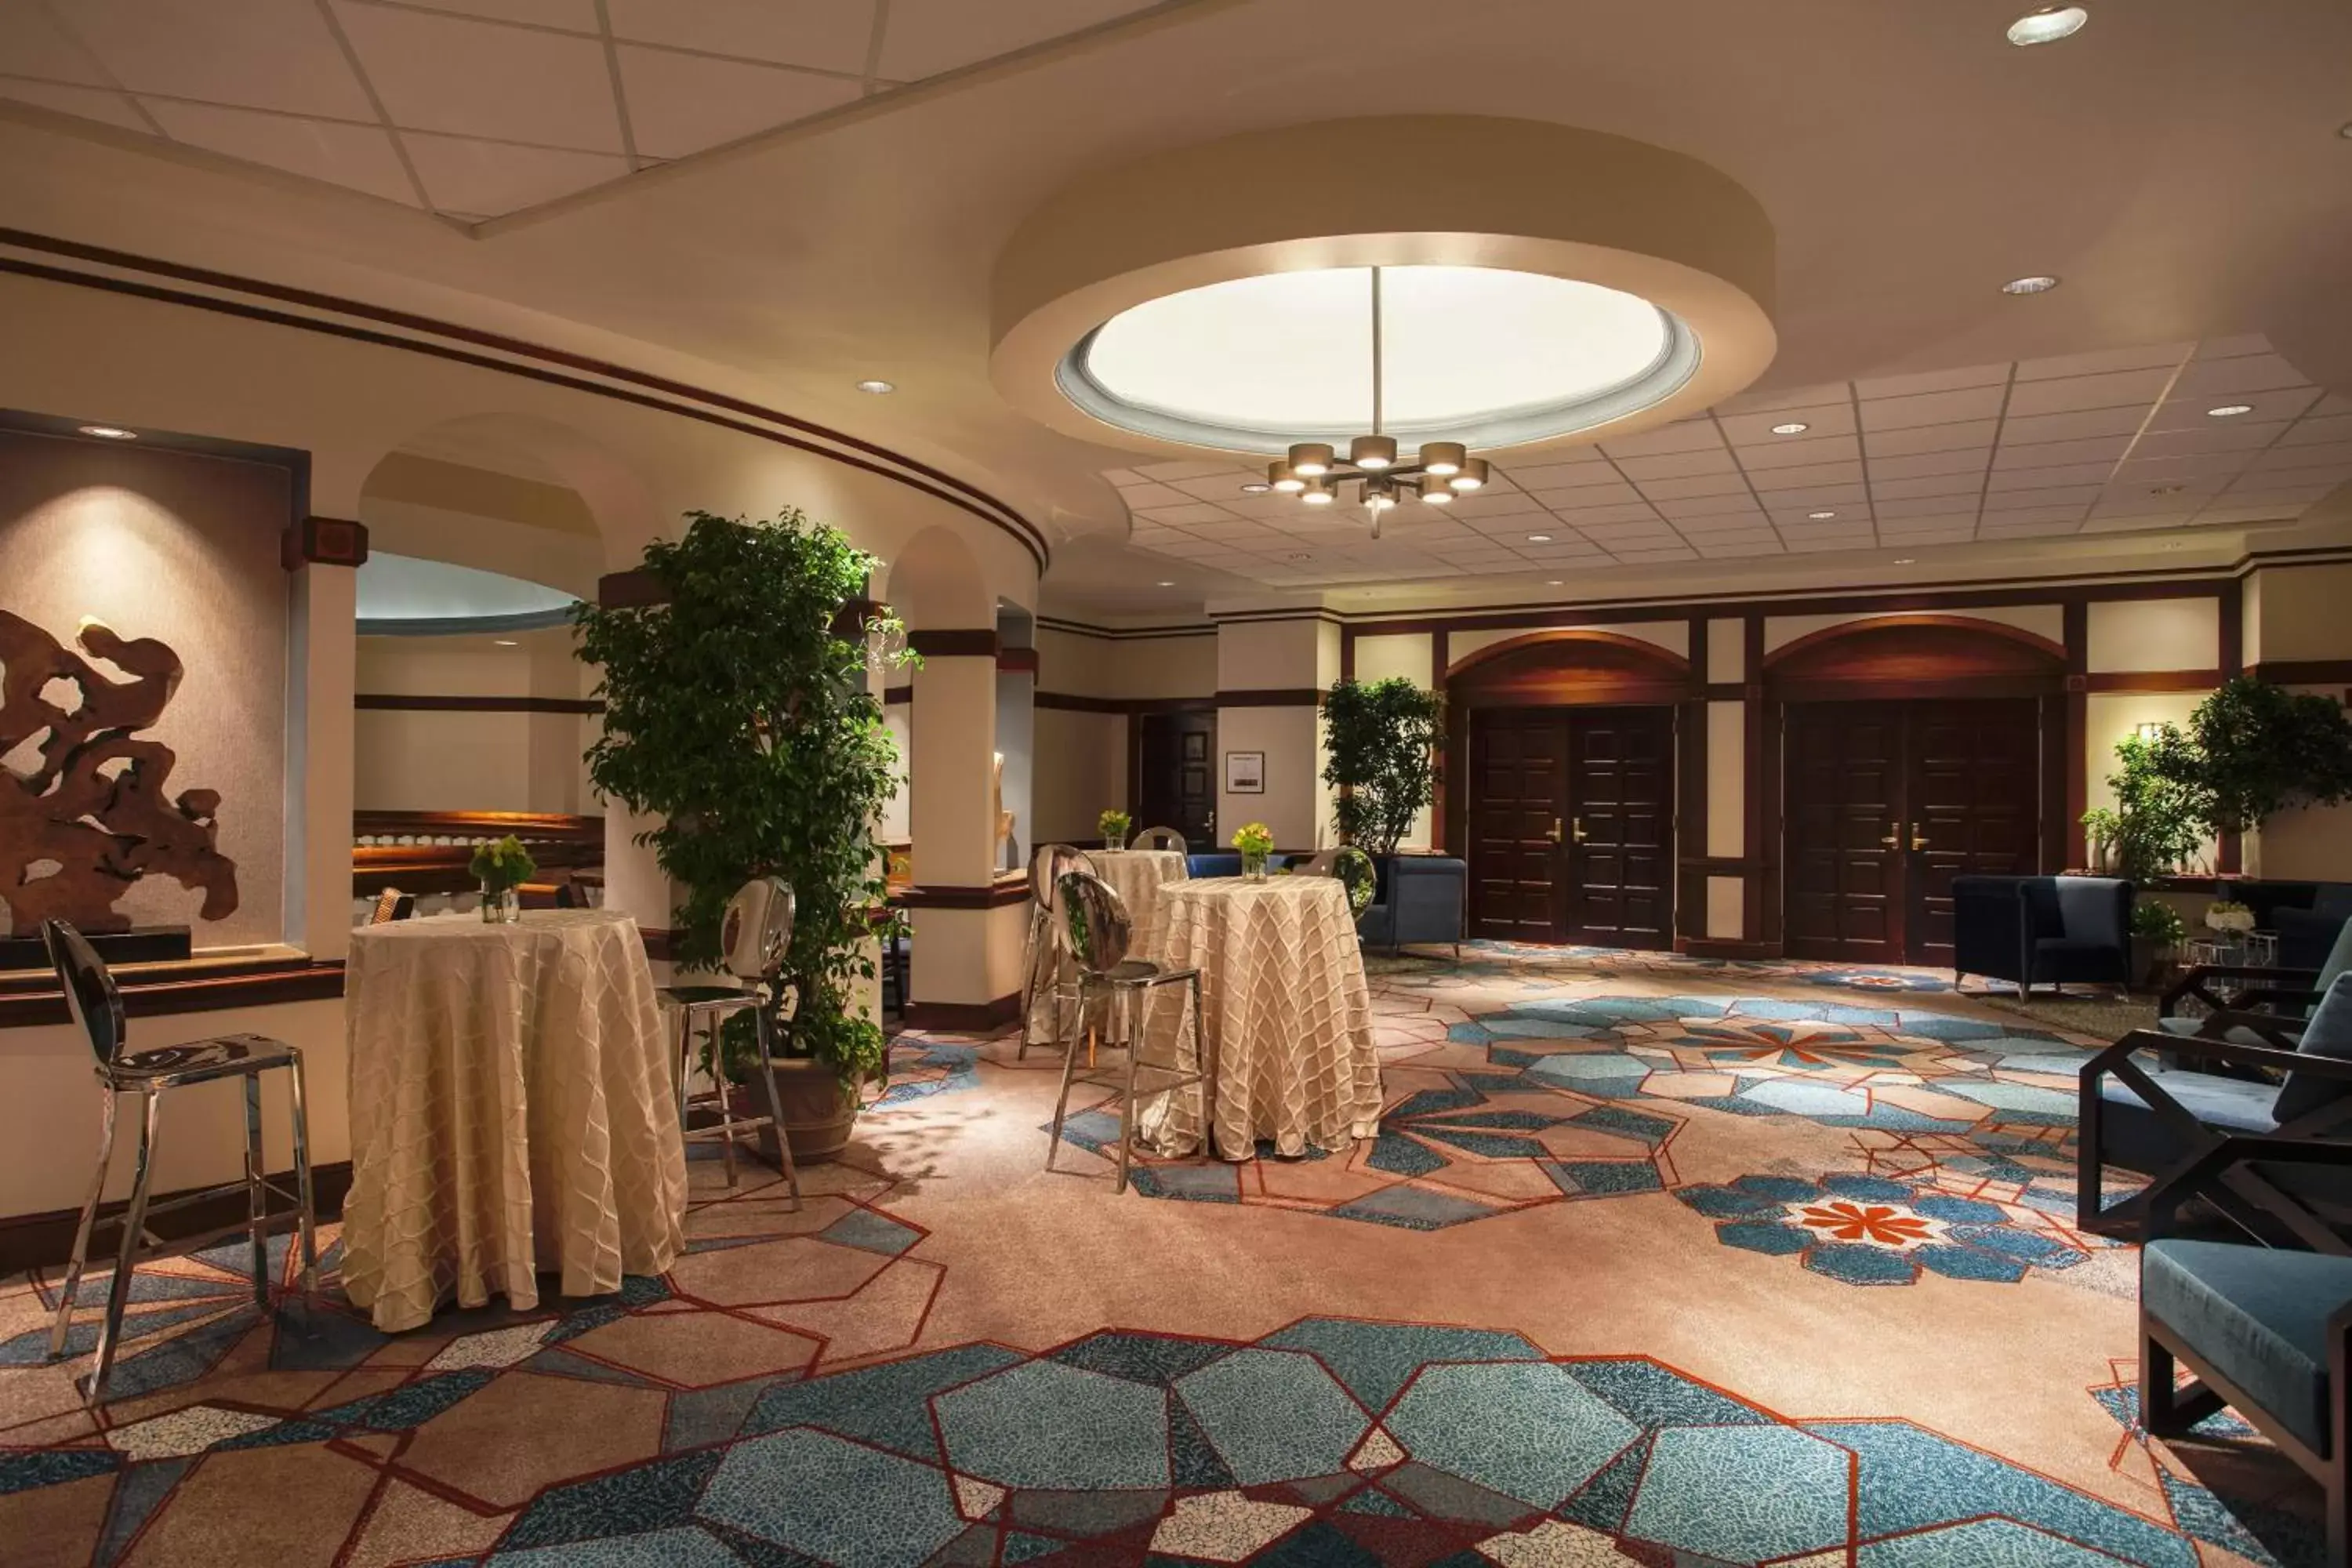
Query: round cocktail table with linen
x=511 y=1113
x=1136 y=875
x=1289 y=1015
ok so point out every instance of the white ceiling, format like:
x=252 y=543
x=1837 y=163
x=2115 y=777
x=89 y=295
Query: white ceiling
x=2090 y=443
x=475 y=109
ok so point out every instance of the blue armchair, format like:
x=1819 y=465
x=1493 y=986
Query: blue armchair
x=2267 y=1332
x=1420 y=899
x=1228 y=863
x=2030 y=929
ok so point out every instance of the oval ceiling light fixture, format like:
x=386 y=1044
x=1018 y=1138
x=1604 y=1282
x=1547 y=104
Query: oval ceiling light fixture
x=878 y=388
x=1539 y=538
x=2037 y=284
x=1792 y=428
x=1257 y=487
x=2229 y=411
x=1167 y=583
x=109 y=432
x=2047 y=26
x=1565 y=286
x=1819 y=516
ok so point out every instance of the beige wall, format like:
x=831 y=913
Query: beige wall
x=1081 y=772
x=2303 y=613
x=439 y=760
x=2125 y=635
x=1407 y=656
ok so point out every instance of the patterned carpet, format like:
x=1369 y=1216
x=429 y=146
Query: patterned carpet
x=1607 y=1296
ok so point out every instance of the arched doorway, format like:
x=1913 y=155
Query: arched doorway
x=1911 y=749
x=1563 y=744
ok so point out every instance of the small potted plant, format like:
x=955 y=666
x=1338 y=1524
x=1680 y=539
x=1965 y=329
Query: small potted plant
x=502 y=867
x=1255 y=842
x=2157 y=929
x=2229 y=918
x=1114 y=825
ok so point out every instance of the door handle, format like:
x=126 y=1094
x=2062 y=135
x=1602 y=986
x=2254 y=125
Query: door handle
x=1918 y=839
x=1892 y=840
x=1576 y=830
x=1552 y=832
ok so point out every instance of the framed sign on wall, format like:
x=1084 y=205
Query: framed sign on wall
x=1245 y=772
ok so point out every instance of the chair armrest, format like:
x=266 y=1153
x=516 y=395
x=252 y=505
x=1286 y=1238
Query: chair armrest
x=2193 y=984
x=2206 y=1049
x=2273 y=1028
x=2194 y=1180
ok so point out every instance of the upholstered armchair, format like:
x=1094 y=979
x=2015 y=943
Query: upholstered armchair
x=2037 y=930
x=2136 y=1110
x=1421 y=899
x=2253 y=1005
x=2266 y=1332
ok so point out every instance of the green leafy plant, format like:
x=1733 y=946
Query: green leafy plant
x=2156 y=922
x=2261 y=748
x=1114 y=825
x=1381 y=739
x=736 y=710
x=1254 y=838
x=2158 y=818
x=503 y=864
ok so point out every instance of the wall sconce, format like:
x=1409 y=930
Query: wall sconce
x=2148 y=731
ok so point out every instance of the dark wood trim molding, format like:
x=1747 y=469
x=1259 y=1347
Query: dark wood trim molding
x=634 y=589
x=898 y=696
x=1017 y=661
x=2303 y=671
x=323 y=541
x=1691 y=796
x=1441 y=832
x=1272 y=697
x=2233 y=629
x=2076 y=622
x=530 y=826
x=41 y=1240
x=964 y=1018
x=1759 y=896
x=996 y=895
x=396 y=701
x=661 y=942
x=1075 y=702
x=555 y=367
x=956 y=642
x=2152 y=680
x=164 y=992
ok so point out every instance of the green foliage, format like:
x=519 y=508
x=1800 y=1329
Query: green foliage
x=2158 y=922
x=2158 y=818
x=737 y=714
x=502 y=865
x=1382 y=740
x=2262 y=749
x=1114 y=825
x=1253 y=839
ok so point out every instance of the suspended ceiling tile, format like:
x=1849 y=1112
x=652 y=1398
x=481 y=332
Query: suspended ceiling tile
x=1930 y=439
x=2196 y=412
x=2233 y=348
x=1138 y=497
x=2251 y=511
x=2154 y=356
x=1924 y=465
x=1730 y=549
x=1225 y=487
x=682 y=104
x=1795 y=515
x=925 y=37
x=2134 y=500
x=359 y=156
x=1957 y=525
x=824 y=35
x=1755 y=429
x=2086 y=423
x=2056 y=454
x=1189 y=514
x=2316 y=429
x=1789 y=452
x=1836 y=392
x=462 y=175
x=2338 y=454
x=1967 y=483
x=1819 y=546
x=1741 y=503
x=1482 y=504
x=2116 y=389
x=1809 y=476
x=1924 y=506
x=1886 y=387
x=33 y=45
x=1641 y=469
x=2185 y=469
x=1642 y=557
x=1938 y=407
x=2334 y=404
x=476 y=79
x=2137 y=523
x=1548 y=475
x=1586 y=517
x=1181 y=468
x=2074 y=496
x=1731 y=484
x=88 y=102
x=576 y=16
x=2252 y=373
x=2214 y=436
x=1617 y=490
x=262 y=54
x=1683 y=435
x=2043 y=477
x=1819 y=496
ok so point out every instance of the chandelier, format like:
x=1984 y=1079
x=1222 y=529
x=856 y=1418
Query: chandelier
x=1439 y=473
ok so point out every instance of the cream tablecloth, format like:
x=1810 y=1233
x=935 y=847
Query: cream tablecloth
x=1287 y=1015
x=511 y=1113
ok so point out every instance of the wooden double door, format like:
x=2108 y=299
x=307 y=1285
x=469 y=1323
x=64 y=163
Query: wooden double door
x=1175 y=775
x=1571 y=825
x=1885 y=803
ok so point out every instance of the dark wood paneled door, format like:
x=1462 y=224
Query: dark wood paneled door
x=1571 y=819
x=1519 y=801
x=1886 y=802
x=1175 y=779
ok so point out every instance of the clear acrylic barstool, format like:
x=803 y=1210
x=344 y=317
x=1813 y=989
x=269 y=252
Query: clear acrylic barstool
x=1047 y=967
x=757 y=929
x=97 y=1008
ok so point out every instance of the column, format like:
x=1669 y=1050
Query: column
x=1272 y=673
x=969 y=922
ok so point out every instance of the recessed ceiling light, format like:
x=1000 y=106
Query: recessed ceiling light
x=1166 y=582
x=877 y=388
x=1820 y=516
x=2165 y=489
x=1906 y=561
x=2047 y=26
x=1539 y=538
x=1256 y=488
x=1794 y=427
x=2228 y=410
x=2344 y=130
x=109 y=432
x=1554 y=582
x=505 y=641
x=2040 y=283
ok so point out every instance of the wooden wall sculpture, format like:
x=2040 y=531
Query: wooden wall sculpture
x=91 y=817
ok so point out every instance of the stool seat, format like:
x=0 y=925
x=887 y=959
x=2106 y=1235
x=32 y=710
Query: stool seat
x=708 y=997
x=224 y=1055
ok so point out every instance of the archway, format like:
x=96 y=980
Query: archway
x=1560 y=762
x=1899 y=752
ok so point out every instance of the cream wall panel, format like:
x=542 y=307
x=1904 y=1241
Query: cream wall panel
x=1725 y=909
x=2154 y=634
x=899 y=720
x=1261 y=656
x=1727 y=776
x=1405 y=654
x=2307 y=613
x=1291 y=805
x=2043 y=620
x=1727 y=650
x=1162 y=667
x=1081 y=773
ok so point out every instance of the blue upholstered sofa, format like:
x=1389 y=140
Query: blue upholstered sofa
x=2036 y=930
x=1228 y=863
x=1420 y=900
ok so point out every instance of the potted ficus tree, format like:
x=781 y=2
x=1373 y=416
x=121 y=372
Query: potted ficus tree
x=2157 y=821
x=2259 y=749
x=736 y=712
x=1381 y=744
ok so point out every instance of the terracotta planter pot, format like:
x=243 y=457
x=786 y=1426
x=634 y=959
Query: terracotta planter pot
x=818 y=1113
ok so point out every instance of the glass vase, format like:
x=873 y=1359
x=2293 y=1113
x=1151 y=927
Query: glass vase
x=500 y=906
x=1253 y=866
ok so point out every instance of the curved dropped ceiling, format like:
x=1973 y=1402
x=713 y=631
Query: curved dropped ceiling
x=1514 y=193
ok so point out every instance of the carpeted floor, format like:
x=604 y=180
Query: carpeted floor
x=1656 y=1261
